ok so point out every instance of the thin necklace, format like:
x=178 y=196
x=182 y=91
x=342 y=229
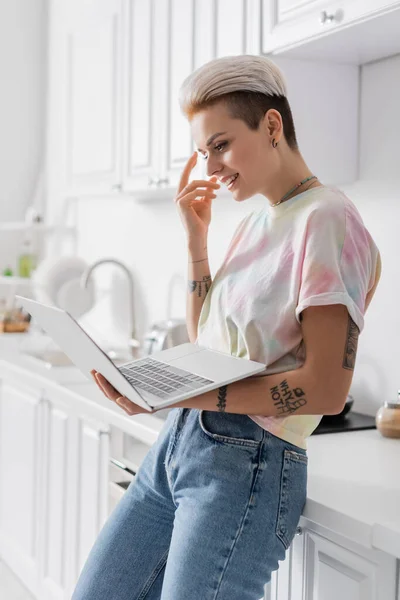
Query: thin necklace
x=293 y=189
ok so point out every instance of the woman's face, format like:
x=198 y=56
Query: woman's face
x=236 y=150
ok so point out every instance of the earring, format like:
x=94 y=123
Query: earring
x=274 y=143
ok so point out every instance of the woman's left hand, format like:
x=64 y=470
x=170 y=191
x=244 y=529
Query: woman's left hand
x=105 y=386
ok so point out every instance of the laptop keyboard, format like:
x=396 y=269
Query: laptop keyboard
x=161 y=379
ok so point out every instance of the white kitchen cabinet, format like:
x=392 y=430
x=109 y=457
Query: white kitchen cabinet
x=160 y=44
x=141 y=91
x=54 y=508
x=290 y=22
x=115 y=68
x=92 y=486
x=335 y=569
x=20 y=460
x=197 y=32
x=53 y=485
x=85 y=69
x=321 y=565
x=287 y=582
x=74 y=499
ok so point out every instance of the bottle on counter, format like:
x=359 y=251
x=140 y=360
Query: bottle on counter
x=27 y=259
x=388 y=418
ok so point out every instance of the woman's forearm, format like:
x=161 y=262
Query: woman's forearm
x=199 y=282
x=278 y=395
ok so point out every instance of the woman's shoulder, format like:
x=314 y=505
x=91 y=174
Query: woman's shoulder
x=332 y=204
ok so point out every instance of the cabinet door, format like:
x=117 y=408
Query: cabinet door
x=339 y=571
x=288 y=22
x=287 y=581
x=85 y=94
x=55 y=506
x=92 y=487
x=20 y=438
x=198 y=31
x=140 y=94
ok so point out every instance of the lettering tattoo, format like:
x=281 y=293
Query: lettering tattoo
x=199 y=285
x=286 y=400
x=350 y=351
x=222 y=398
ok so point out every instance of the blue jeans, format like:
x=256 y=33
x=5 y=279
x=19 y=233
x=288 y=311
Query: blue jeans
x=213 y=508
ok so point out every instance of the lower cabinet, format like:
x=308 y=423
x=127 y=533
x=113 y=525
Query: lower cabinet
x=21 y=410
x=56 y=493
x=326 y=566
x=53 y=487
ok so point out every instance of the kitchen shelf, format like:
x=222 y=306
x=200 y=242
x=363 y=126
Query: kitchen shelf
x=14 y=280
x=22 y=226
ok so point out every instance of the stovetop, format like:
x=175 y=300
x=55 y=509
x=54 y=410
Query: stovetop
x=350 y=422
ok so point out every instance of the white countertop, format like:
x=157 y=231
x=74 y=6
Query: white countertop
x=354 y=487
x=353 y=477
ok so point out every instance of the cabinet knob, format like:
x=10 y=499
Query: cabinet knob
x=299 y=530
x=117 y=187
x=158 y=182
x=329 y=18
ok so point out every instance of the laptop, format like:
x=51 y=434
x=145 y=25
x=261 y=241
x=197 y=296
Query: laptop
x=154 y=381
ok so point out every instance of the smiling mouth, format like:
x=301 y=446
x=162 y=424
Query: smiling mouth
x=232 y=183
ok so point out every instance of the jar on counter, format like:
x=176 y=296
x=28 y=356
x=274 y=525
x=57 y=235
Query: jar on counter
x=388 y=418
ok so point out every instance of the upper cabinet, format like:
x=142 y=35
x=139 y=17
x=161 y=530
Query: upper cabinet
x=85 y=91
x=115 y=68
x=197 y=31
x=364 y=30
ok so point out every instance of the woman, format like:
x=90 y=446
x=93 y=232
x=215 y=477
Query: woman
x=218 y=497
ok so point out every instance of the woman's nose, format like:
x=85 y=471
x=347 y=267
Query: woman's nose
x=213 y=167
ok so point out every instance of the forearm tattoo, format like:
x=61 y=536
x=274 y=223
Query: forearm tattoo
x=222 y=398
x=287 y=400
x=350 y=351
x=199 y=285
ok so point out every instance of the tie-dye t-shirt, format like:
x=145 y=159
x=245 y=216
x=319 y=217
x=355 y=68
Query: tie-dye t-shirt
x=310 y=250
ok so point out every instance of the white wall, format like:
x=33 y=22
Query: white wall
x=22 y=110
x=377 y=196
x=150 y=239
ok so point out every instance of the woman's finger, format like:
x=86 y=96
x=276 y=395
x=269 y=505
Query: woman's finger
x=112 y=394
x=186 y=172
x=106 y=386
x=94 y=373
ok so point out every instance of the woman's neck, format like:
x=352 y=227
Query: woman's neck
x=291 y=171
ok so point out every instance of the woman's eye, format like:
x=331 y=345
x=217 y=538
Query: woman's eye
x=219 y=146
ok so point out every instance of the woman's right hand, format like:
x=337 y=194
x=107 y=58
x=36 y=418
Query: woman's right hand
x=194 y=202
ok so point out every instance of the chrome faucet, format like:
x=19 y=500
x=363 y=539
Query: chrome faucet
x=133 y=343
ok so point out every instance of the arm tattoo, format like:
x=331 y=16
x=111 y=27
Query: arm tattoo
x=206 y=284
x=286 y=400
x=222 y=398
x=350 y=350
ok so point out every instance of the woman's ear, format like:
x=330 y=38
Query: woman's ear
x=273 y=124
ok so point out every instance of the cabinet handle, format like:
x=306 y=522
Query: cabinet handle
x=299 y=531
x=326 y=18
x=117 y=187
x=122 y=466
x=158 y=182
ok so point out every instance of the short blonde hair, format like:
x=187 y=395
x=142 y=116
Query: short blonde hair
x=249 y=85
